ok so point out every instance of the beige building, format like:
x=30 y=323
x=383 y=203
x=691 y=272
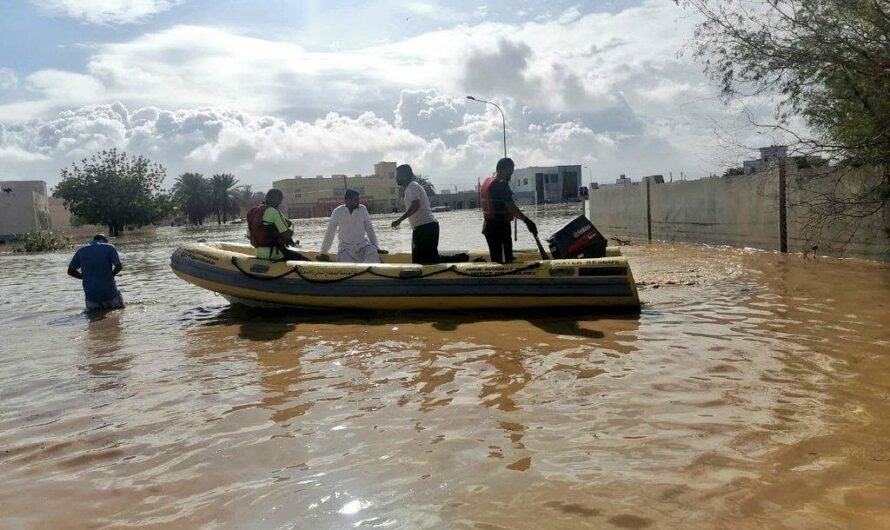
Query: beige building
x=65 y=222
x=385 y=169
x=316 y=197
x=23 y=208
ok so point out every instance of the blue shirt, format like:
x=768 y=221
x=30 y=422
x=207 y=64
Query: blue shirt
x=95 y=262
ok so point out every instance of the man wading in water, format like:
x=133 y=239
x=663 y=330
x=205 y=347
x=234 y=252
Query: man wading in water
x=97 y=264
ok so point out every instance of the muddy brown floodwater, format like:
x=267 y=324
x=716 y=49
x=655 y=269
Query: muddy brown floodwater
x=753 y=391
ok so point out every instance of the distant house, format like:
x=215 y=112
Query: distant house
x=775 y=153
x=457 y=200
x=623 y=181
x=24 y=207
x=316 y=197
x=768 y=156
x=537 y=185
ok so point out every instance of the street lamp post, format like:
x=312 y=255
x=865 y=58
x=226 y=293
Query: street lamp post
x=503 y=119
x=504 y=123
x=589 y=187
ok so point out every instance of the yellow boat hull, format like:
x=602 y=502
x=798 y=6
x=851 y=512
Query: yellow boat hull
x=396 y=285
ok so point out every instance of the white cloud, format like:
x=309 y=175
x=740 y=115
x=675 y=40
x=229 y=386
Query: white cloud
x=212 y=139
x=16 y=155
x=9 y=80
x=570 y=15
x=65 y=88
x=260 y=149
x=430 y=114
x=432 y=11
x=105 y=11
x=572 y=65
x=605 y=89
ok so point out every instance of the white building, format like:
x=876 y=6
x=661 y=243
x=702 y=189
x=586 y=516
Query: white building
x=623 y=181
x=536 y=185
x=24 y=207
x=768 y=155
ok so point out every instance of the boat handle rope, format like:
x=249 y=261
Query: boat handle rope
x=369 y=270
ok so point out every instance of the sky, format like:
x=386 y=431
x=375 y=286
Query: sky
x=278 y=88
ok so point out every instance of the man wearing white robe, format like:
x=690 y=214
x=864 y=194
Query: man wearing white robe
x=357 y=240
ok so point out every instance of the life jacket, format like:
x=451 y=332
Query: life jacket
x=488 y=210
x=262 y=234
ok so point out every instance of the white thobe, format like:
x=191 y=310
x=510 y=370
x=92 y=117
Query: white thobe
x=357 y=239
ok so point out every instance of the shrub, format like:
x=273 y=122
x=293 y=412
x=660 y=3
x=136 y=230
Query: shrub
x=41 y=241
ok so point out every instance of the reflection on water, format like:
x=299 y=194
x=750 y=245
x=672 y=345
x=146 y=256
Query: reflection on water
x=102 y=352
x=751 y=392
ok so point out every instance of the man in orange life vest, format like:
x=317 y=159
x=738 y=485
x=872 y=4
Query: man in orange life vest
x=498 y=209
x=270 y=232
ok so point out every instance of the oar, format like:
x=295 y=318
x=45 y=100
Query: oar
x=541 y=248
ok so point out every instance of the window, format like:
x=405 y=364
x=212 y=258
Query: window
x=546 y=179
x=392 y=191
x=298 y=194
x=339 y=192
x=525 y=182
x=360 y=189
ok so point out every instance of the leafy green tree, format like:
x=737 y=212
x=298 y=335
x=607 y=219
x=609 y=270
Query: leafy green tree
x=224 y=196
x=424 y=181
x=826 y=61
x=115 y=190
x=193 y=195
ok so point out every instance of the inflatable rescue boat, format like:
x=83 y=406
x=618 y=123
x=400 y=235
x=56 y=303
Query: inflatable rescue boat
x=468 y=283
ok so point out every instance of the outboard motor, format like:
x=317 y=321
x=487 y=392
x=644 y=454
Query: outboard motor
x=578 y=239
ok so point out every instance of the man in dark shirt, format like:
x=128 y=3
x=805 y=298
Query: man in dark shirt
x=499 y=209
x=97 y=264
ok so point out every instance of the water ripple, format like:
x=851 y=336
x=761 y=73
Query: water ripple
x=713 y=408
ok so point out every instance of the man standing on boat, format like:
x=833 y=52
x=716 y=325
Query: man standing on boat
x=270 y=232
x=498 y=209
x=97 y=264
x=357 y=240
x=425 y=236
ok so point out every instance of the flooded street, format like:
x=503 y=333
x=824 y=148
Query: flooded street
x=753 y=391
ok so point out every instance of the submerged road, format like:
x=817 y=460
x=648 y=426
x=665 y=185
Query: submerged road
x=753 y=391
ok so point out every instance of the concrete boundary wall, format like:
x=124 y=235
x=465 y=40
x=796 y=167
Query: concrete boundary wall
x=781 y=208
x=847 y=228
x=619 y=212
x=737 y=211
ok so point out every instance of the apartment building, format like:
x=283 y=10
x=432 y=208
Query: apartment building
x=316 y=197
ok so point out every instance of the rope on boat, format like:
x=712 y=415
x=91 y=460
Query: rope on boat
x=369 y=270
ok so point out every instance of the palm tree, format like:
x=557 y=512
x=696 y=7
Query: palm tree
x=424 y=181
x=223 y=195
x=247 y=198
x=192 y=192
